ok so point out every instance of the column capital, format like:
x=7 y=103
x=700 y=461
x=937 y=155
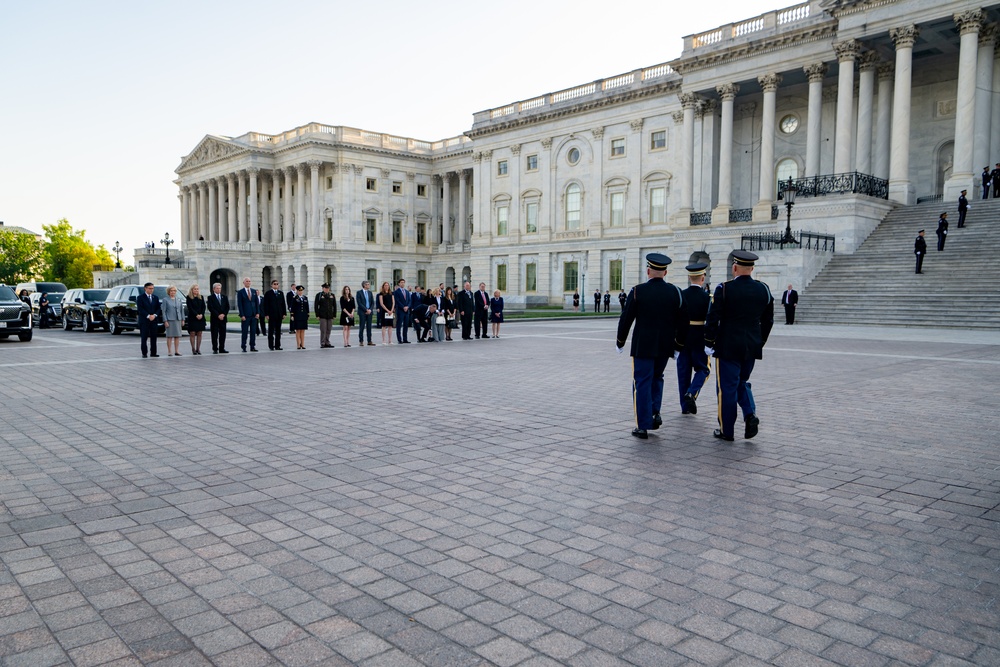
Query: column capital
x=214 y=181
x=886 y=70
x=988 y=34
x=333 y=167
x=437 y=179
x=185 y=189
x=487 y=155
x=463 y=175
x=598 y=132
x=301 y=168
x=969 y=22
x=253 y=172
x=359 y=169
x=478 y=157
x=203 y=186
x=847 y=50
x=386 y=173
x=904 y=36
x=815 y=71
x=769 y=82
x=869 y=61
x=231 y=178
x=706 y=108
x=636 y=124
x=547 y=143
x=688 y=100
x=515 y=149
x=728 y=91
x=314 y=165
x=411 y=176
x=678 y=117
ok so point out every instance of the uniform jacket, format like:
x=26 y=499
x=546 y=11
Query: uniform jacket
x=275 y=305
x=247 y=306
x=325 y=305
x=942 y=228
x=920 y=246
x=740 y=319
x=963 y=203
x=661 y=324
x=696 y=303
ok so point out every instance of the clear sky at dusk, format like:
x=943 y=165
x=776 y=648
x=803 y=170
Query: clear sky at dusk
x=99 y=101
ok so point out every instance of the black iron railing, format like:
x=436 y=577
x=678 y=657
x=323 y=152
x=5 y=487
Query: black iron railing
x=701 y=218
x=774 y=213
x=741 y=215
x=921 y=200
x=777 y=241
x=830 y=184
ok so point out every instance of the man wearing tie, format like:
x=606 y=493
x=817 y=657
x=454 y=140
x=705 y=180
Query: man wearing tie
x=366 y=304
x=466 y=306
x=249 y=309
x=482 y=309
x=148 y=308
x=274 y=311
x=402 y=300
x=218 y=307
x=789 y=300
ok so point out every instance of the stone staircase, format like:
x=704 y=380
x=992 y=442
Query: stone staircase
x=877 y=285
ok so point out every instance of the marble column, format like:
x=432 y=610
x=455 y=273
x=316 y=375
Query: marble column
x=202 y=229
x=273 y=233
x=984 y=100
x=463 y=208
x=315 y=215
x=233 y=235
x=288 y=229
x=213 y=210
x=847 y=53
x=253 y=172
x=769 y=83
x=446 y=207
x=300 y=202
x=689 y=102
x=867 y=64
x=962 y=175
x=814 y=117
x=883 y=118
x=900 y=187
x=727 y=93
x=185 y=197
x=218 y=233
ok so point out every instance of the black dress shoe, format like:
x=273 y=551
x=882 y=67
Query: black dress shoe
x=277 y=348
x=144 y=356
x=154 y=355
x=640 y=433
x=657 y=420
x=253 y=349
x=223 y=351
x=718 y=434
x=689 y=404
x=752 y=426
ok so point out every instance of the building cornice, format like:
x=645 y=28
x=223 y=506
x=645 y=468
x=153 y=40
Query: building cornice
x=754 y=48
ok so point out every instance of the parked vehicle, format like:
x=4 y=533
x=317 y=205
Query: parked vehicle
x=15 y=316
x=55 y=307
x=84 y=308
x=48 y=288
x=121 y=311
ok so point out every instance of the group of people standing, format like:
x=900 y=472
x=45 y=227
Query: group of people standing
x=920 y=244
x=991 y=181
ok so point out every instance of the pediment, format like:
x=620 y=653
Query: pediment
x=210 y=149
x=423 y=217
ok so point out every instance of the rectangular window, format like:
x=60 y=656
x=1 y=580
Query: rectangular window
x=329 y=182
x=371 y=184
x=502 y=277
x=530 y=277
x=657 y=206
x=397 y=187
x=422 y=278
x=421 y=233
x=370 y=226
x=657 y=140
x=397 y=231
x=573 y=205
x=615 y=274
x=397 y=275
x=373 y=278
x=531 y=164
x=421 y=190
x=571 y=275
x=617 y=209
x=617 y=147
x=531 y=218
x=502 y=168
x=502 y=212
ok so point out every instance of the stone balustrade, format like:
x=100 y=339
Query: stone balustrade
x=766 y=24
x=352 y=135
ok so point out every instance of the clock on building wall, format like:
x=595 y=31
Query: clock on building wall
x=789 y=124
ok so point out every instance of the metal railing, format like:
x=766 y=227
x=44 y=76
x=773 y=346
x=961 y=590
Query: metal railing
x=921 y=200
x=159 y=264
x=741 y=215
x=777 y=241
x=837 y=184
x=701 y=218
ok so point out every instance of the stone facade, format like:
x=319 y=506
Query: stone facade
x=570 y=189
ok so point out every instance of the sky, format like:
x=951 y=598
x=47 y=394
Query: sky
x=100 y=100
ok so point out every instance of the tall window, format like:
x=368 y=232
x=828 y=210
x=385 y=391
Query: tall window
x=397 y=231
x=396 y=275
x=371 y=225
x=422 y=277
x=573 y=205
x=571 y=276
x=397 y=187
x=531 y=218
x=617 y=209
x=615 y=274
x=502 y=168
x=421 y=190
x=617 y=147
x=657 y=205
x=531 y=163
x=657 y=140
x=530 y=277
x=502 y=277
x=371 y=185
x=785 y=169
x=421 y=233
x=502 y=214
x=372 y=276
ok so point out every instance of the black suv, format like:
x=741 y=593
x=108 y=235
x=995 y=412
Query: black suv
x=84 y=308
x=15 y=315
x=121 y=311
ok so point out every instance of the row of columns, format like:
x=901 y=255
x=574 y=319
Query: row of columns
x=462 y=228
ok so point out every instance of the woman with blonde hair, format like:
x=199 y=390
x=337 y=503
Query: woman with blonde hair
x=195 y=317
x=172 y=309
x=386 y=305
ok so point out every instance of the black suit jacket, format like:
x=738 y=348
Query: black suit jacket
x=661 y=323
x=274 y=304
x=740 y=319
x=145 y=307
x=466 y=302
x=963 y=202
x=696 y=303
x=789 y=298
x=482 y=300
x=920 y=246
x=216 y=308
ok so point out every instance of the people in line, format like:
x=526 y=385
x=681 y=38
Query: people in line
x=366 y=306
x=299 y=316
x=195 y=317
x=248 y=308
x=482 y=310
x=218 y=308
x=942 y=231
x=275 y=309
x=386 y=308
x=963 y=208
x=597 y=300
x=987 y=179
x=172 y=309
x=576 y=302
x=147 y=307
x=448 y=308
x=43 y=311
x=439 y=323
x=423 y=317
x=466 y=304
x=325 y=307
x=607 y=301
x=621 y=299
x=289 y=297
x=496 y=312
x=920 y=250
x=348 y=308
x=692 y=362
x=789 y=300
x=402 y=314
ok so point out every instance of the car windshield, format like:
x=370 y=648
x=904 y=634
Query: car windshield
x=7 y=294
x=160 y=291
x=95 y=294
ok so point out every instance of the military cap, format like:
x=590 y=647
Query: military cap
x=327 y=285
x=744 y=257
x=696 y=269
x=657 y=261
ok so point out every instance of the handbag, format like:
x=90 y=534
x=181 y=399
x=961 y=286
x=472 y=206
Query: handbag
x=439 y=319
x=387 y=317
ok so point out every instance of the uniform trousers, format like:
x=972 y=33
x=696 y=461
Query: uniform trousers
x=692 y=371
x=733 y=388
x=647 y=388
x=325 y=326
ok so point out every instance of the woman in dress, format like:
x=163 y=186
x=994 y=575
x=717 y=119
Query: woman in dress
x=172 y=309
x=386 y=304
x=576 y=301
x=437 y=320
x=347 y=308
x=496 y=312
x=448 y=308
x=195 y=318
x=299 y=319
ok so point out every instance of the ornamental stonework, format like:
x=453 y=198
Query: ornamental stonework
x=904 y=36
x=689 y=100
x=970 y=21
x=636 y=124
x=815 y=72
x=728 y=91
x=869 y=61
x=769 y=82
x=847 y=50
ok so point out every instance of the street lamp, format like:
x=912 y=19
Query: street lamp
x=118 y=251
x=583 y=292
x=789 y=196
x=167 y=242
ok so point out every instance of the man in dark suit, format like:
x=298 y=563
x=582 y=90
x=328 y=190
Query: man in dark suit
x=621 y=299
x=597 y=300
x=482 y=313
x=986 y=182
x=275 y=311
x=736 y=329
x=218 y=307
x=148 y=309
x=995 y=179
x=963 y=208
x=942 y=231
x=692 y=362
x=466 y=307
x=248 y=307
x=402 y=300
x=657 y=308
x=920 y=249
x=423 y=317
x=289 y=298
x=365 y=308
x=607 y=301
x=789 y=300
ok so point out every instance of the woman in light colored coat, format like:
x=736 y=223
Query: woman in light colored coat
x=172 y=308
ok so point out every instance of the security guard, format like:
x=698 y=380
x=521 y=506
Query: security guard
x=657 y=308
x=692 y=360
x=736 y=329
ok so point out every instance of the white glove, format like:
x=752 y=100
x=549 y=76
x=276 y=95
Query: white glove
x=676 y=354
x=620 y=349
x=709 y=351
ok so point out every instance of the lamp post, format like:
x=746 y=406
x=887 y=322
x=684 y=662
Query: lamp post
x=789 y=196
x=167 y=242
x=118 y=251
x=583 y=292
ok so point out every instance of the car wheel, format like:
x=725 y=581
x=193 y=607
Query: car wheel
x=66 y=323
x=86 y=324
x=24 y=336
x=114 y=327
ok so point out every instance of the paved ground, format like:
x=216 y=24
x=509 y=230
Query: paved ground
x=483 y=503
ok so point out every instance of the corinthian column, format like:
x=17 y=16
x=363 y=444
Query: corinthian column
x=984 y=95
x=273 y=235
x=867 y=65
x=314 y=215
x=213 y=210
x=446 y=207
x=202 y=210
x=186 y=226
x=847 y=52
x=727 y=93
x=769 y=83
x=882 y=120
x=300 y=202
x=689 y=102
x=241 y=208
x=253 y=172
x=969 y=24
x=231 y=195
x=218 y=232
x=463 y=208
x=814 y=118
x=900 y=187
x=288 y=229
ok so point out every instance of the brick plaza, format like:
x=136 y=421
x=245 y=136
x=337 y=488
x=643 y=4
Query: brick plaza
x=482 y=503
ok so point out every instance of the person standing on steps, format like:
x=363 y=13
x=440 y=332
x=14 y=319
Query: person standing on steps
x=789 y=300
x=963 y=208
x=986 y=182
x=995 y=180
x=920 y=249
x=942 y=231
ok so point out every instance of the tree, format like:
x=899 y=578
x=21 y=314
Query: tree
x=70 y=257
x=20 y=257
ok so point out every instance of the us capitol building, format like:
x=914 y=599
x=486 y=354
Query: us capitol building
x=866 y=105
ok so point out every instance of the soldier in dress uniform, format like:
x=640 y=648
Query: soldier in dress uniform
x=657 y=308
x=736 y=329
x=692 y=362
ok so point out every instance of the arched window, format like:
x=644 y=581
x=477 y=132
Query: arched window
x=785 y=169
x=573 y=206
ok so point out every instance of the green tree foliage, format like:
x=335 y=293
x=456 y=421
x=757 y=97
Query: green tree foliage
x=69 y=257
x=21 y=257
